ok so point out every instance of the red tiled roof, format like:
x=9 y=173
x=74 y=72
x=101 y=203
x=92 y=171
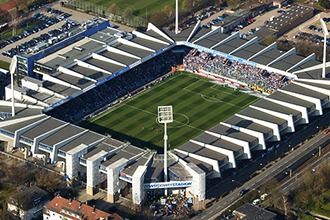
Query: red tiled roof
x=59 y=204
x=7 y=6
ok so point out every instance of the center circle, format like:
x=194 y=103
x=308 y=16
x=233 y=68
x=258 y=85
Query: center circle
x=179 y=120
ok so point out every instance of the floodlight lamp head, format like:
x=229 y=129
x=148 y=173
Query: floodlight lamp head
x=324 y=27
x=165 y=114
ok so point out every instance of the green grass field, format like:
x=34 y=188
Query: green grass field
x=140 y=7
x=197 y=105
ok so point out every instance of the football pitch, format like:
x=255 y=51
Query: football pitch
x=198 y=104
x=141 y=8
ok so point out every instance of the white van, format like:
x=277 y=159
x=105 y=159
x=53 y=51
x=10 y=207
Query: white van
x=256 y=202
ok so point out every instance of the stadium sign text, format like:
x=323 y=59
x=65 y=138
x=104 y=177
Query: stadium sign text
x=163 y=185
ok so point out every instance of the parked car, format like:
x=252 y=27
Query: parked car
x=243 y=191
x=256 y=202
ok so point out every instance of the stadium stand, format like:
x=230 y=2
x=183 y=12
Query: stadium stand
x=116 y=88
x=246 y=74
x=101 y=70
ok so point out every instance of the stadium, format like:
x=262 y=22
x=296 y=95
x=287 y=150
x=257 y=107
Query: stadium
x=79 y=100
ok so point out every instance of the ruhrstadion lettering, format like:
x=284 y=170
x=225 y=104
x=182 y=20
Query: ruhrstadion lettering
x=163 y=185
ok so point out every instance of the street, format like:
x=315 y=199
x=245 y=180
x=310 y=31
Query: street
x=290 y=183
x=300 y=155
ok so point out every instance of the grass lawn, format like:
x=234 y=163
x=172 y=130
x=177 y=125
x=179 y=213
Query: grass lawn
x=198 y=105
x=139 y=7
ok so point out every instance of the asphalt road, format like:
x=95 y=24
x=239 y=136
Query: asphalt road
x=289 y=184
x=300 y=155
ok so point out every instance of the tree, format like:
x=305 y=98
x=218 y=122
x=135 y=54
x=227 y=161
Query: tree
x=190 y=5
x=286 y=206
x=270 y=39
x=168 y=10
x=19 y=174
x=50 y=181
x=275 y=197
x=14 y=21
x=233 y=3
x=284 y=45
x=113 y=9
x=311 y=192
x=128 y=13
x=271 y=185
x=4 y=16
x=157 y=18
x=20 y=4
x=325 y=3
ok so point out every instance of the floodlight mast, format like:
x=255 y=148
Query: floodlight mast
x=165 y=115
x=176 y=17
x=12 y=95
x=326 y=33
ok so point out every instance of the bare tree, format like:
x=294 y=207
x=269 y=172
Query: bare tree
x=233 y=3
x=157 y=18
x=20 y=4
x=113 y=9
x=285 y=204
x=50 y=181
x=187 y=5
x=14 y=21
x=4 y=16
x=169 y=11
x=19 y=174
x=128 y=13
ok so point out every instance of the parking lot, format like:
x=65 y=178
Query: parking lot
x=258 y=21
x=78 y=17
x=41 y=21
x=51 y=25
x=304 y=27
x=314 y=35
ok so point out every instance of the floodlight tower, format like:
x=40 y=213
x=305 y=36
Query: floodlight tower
x=12 y=70
x=165 y=115
x=12 y=95
x=176 y=16
x=326 y=33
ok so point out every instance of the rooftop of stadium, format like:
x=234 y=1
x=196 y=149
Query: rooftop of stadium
x=109 y=66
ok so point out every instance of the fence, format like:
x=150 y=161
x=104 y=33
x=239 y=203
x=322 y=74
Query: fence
x=103 y=11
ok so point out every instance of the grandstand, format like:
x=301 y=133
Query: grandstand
x=108 y=66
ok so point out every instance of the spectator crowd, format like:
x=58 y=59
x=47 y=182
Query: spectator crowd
x=116 y=88
x=250 y=75
x=146 y=74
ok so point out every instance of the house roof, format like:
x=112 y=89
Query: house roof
x=77 y=210
x=27 y=197
x=250 y=212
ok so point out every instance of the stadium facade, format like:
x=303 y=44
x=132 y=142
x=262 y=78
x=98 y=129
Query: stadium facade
x=96 y=58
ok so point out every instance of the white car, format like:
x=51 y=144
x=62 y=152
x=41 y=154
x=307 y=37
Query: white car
x=263 y=196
